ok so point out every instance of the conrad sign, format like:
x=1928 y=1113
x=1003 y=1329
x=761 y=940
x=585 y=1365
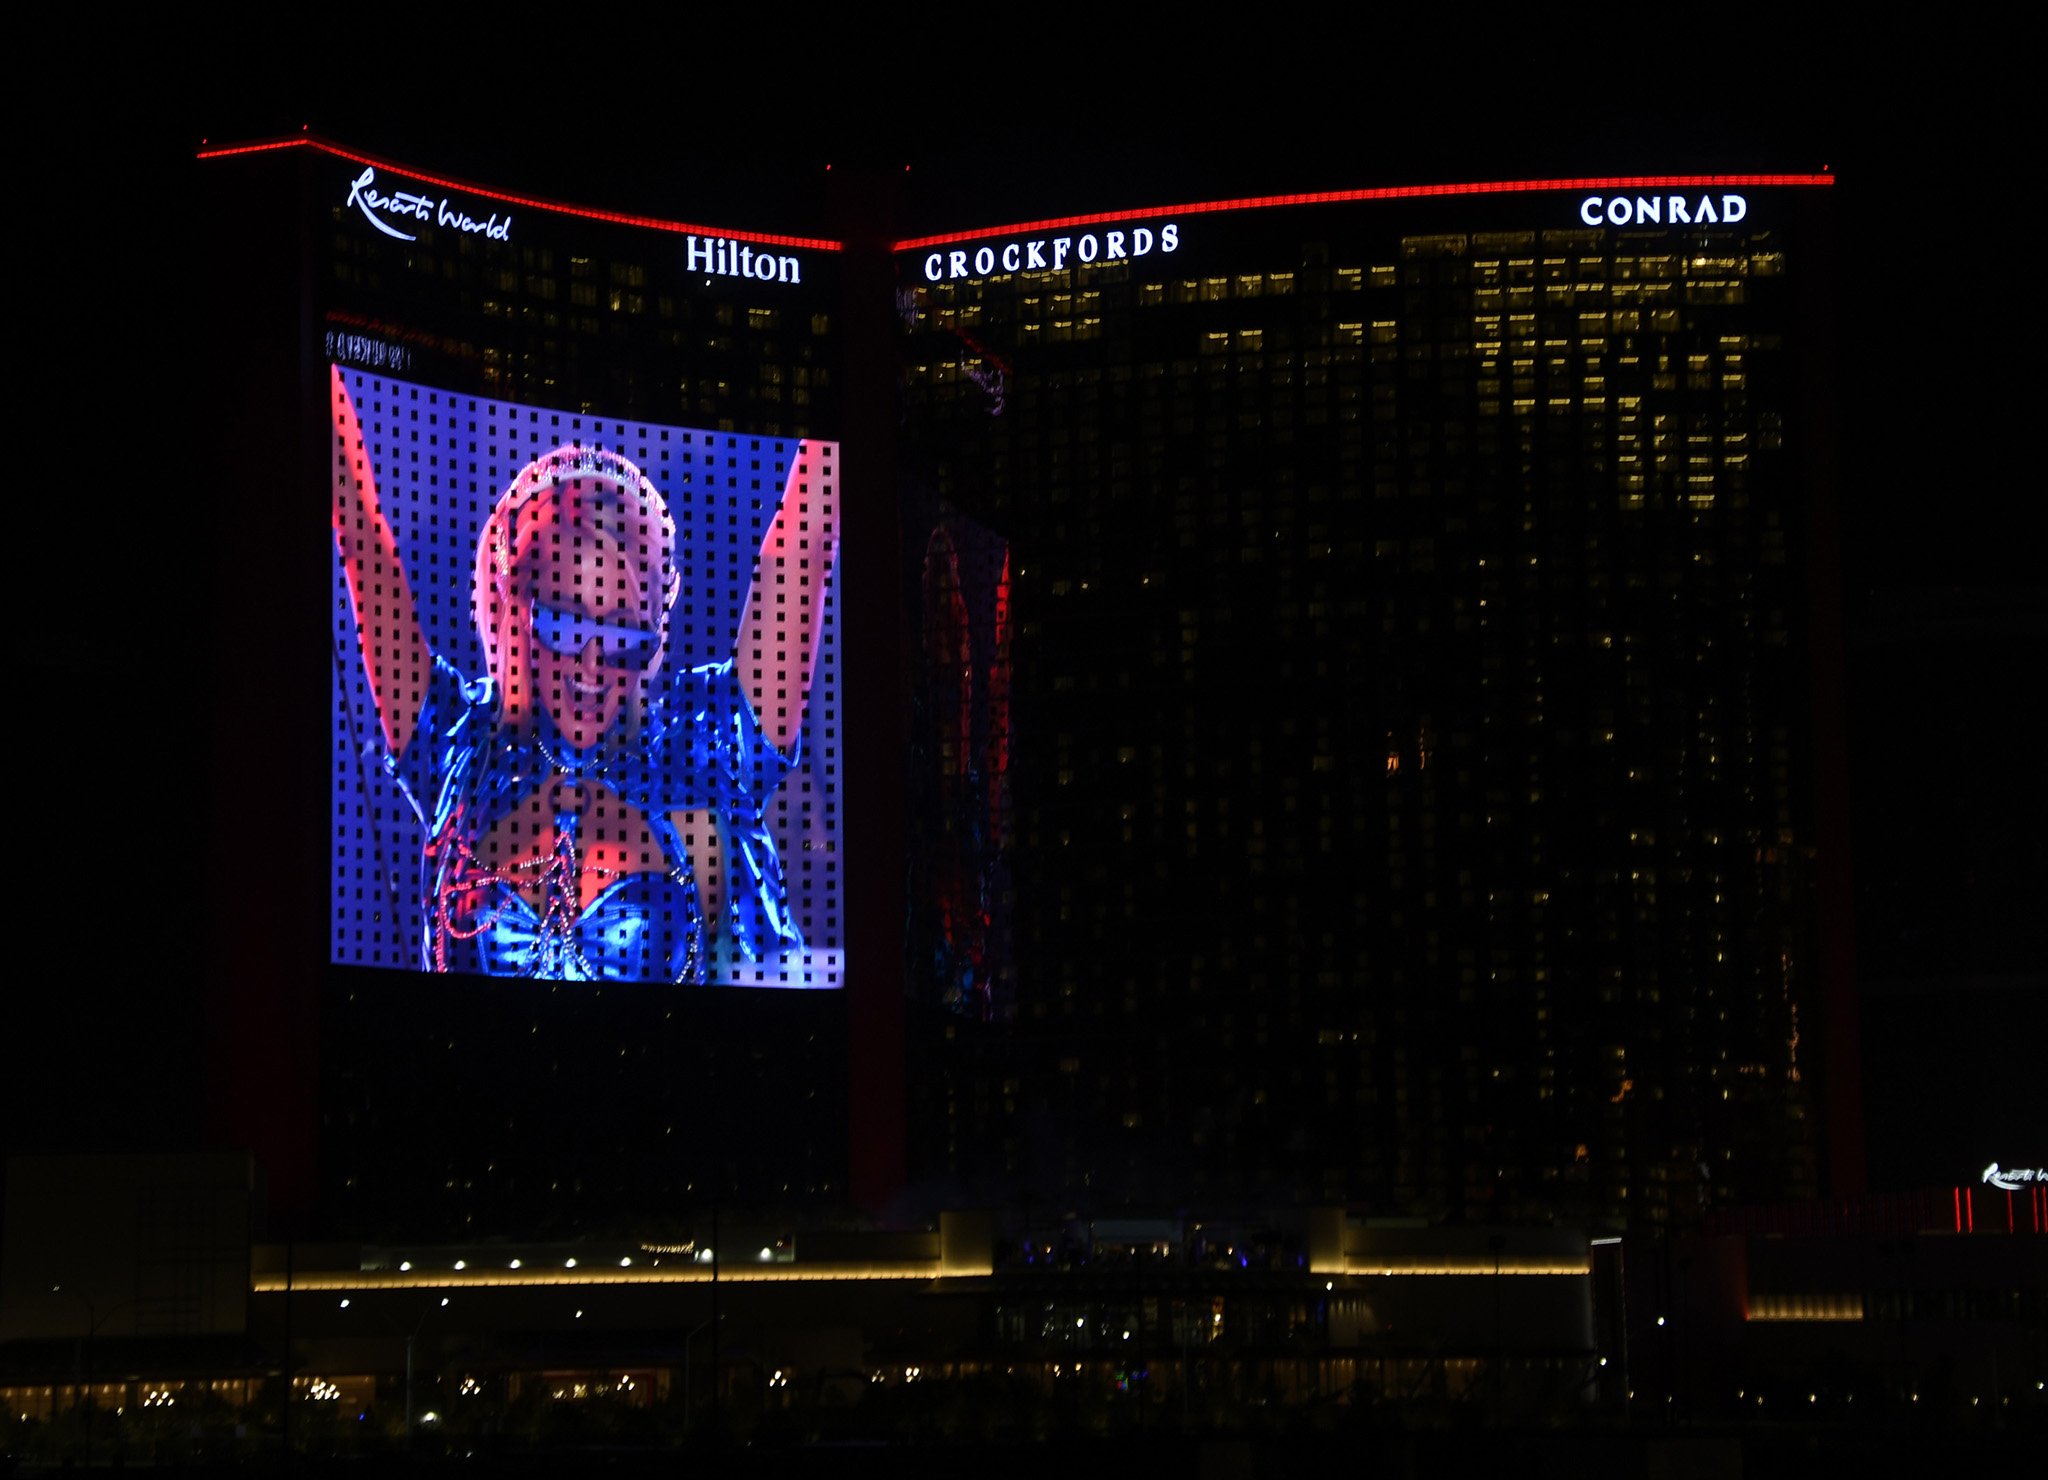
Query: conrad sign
x=1663 y=210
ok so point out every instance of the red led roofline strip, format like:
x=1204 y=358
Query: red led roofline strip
x=531 y=202
x=1384 y=192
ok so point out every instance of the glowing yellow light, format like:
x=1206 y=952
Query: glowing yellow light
x=355 y=1280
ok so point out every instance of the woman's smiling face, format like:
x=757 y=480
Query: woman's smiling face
x=575 y=574
x=592 y=633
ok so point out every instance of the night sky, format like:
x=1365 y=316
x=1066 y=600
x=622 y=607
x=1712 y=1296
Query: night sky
x=1939 y=326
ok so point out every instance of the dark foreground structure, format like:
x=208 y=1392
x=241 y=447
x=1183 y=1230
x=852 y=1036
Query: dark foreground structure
x=792 y=1342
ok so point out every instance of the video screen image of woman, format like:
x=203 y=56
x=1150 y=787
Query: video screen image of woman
x=586 y=696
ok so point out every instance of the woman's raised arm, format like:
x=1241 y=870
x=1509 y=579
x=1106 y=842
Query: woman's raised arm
x=776 y=651
x=394 y=650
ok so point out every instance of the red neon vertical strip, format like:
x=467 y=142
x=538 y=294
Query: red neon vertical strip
x=2011 y=1225
x=1969 y=1210
x=1959 y=1210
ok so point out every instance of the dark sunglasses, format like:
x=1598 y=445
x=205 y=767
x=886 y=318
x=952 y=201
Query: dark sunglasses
x=620 y=645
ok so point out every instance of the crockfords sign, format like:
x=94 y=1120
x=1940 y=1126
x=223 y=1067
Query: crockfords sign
x=400 y=208
x=1051 y=253
x=1663 y=210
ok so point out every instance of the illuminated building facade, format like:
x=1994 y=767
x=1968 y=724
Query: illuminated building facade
x=1355 y=658
x=1360 y=773
x=584 y=730
x=1411 y=800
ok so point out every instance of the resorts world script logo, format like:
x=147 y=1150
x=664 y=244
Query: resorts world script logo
x=2013 y=1179
x=407 y=206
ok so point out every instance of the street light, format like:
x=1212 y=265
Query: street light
x=410 y=1337
x=1497 y=1243
x=692 y=1336
x=83 y=1357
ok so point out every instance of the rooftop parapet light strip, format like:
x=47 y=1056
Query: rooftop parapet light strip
x=1388 y=192
x=530 y=202
x=353 y=1281
x=1512 y=1264
x=744 y=1270
x=1832 y=1306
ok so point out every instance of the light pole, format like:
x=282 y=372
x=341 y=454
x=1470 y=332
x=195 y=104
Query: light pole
x=83 y=1358
x=1497 y=1243
x=692 y=1336
x=717 y=1328
x=410 y=1337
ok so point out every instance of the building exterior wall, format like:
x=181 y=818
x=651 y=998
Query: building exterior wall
x=1409 y=773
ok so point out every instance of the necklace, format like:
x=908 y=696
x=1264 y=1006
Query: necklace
x=599 y=764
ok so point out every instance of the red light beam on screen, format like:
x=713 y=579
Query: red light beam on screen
x=1387 y=192
x=531 y=202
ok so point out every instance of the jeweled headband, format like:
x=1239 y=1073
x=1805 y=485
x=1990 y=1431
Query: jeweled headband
x=494 y=554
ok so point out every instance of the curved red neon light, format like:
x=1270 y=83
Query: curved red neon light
x=531 y=202
x=1095 y=218
x=1386 y=192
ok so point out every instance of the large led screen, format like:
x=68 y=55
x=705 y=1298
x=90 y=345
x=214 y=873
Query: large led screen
x=585 y=694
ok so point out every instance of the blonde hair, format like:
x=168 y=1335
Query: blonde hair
x=572 y=487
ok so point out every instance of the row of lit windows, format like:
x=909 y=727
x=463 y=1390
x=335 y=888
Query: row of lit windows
x=1486 y=345
x=1426 y=260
